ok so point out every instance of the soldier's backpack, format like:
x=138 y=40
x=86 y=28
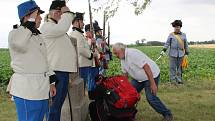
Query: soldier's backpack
x=119 y=91
x=101 y=111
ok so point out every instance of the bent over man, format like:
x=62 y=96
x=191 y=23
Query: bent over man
x=145 y=74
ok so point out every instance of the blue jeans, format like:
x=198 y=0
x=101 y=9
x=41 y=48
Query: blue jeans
x=175 y=69
x=153 y=100
x=92 y=82
x=85 y=74
x=30 y=110
x=58 y=100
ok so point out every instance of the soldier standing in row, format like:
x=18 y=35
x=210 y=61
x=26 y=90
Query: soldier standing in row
x=30 y=84
x=102 y=47
x=61 y=52
x=85 y=55
x=96 y=62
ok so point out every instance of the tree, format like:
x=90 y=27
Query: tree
x=155 y=43
x=143 y=40
x=111 y=6
x=137 y=42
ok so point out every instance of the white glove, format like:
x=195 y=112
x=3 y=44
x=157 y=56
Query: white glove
x=162 y=53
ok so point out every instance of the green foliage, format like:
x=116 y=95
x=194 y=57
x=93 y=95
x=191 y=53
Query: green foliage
x=193 y=101
x=201 y=63
x=5 y=70
x=111 y=6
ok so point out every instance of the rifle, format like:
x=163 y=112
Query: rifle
x=104 y=27
x=105 y=64
x=110 y=53
x=93 y=45
x=108 y=35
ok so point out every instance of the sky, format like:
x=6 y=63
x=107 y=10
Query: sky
x=198 y=17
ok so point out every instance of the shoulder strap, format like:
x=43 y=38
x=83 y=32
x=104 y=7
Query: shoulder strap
x=180 y=41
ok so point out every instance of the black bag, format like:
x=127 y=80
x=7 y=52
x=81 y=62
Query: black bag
x=101 y=111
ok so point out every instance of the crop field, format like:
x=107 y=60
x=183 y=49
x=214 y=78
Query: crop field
x=203 y=46
x=193 y=101
x=201 y=63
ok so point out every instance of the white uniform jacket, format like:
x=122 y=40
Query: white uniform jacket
x=29 y=62
x=61 y=52
x=83 y=48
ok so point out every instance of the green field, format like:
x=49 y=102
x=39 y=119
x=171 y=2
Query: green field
x=201 y=64
x=193 y=101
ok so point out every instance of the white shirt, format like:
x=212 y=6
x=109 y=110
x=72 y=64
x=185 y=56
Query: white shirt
x=134 y=62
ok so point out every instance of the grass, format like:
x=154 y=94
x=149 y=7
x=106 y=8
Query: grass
x=7 y=107
x=193 y=101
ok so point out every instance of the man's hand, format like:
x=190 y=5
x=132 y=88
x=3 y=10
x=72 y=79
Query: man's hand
x=34 y=15
x=93 y=41
x=153 y=88
x=65 y=9
x=53 y=90
x=95 y=55
x=162 y=53
x=126 y=74
x=149 y=74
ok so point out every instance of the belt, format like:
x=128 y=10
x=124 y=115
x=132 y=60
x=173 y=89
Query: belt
x=45 y=74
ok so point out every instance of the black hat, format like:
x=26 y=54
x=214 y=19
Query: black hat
x=57 y=5
x=177 y=23
x=78 y=16
x=96 y=26
x=87 y=27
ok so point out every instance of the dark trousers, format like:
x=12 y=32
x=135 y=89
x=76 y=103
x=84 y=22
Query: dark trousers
x=92 y=82
x=58 y=100
x=85 y=74
x=153 y=100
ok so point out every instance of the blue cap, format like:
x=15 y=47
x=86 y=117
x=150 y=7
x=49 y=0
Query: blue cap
x=27 y=8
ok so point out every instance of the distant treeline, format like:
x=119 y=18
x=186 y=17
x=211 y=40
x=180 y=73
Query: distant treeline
x=202 y=42
x=157 y=43
x=149 y=43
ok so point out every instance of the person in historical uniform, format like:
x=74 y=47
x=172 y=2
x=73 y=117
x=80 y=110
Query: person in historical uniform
x=30 y=83
x=178 y=48
x=85 y=54
x=102 y=47
x=62 y=55
x=96 y=60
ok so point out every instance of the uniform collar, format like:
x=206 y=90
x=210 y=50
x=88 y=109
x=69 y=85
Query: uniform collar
x=178 y=33
x=78 y=29
x=53 y=20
